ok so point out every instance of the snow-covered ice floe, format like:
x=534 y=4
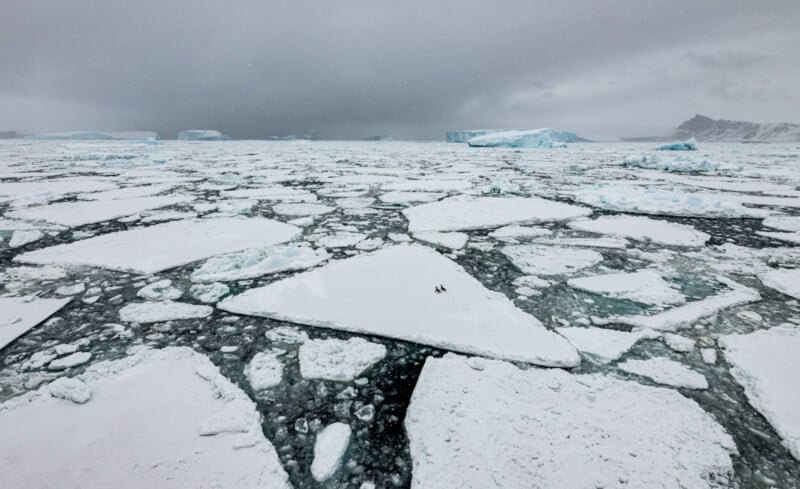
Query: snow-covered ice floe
x=255 y=262
x=641 y=228
x=156 y=248
x=665 y=371
x=785 y=280
x=604 y=345
x=483 y=423
x=158 y=418
x=766 y=363
x=156 y=312
x=662 y=201
x=19 y=314
x=465 y=213
x=645 y=286
x=550 y=260
x=532 y=138
x=339 y=360
x=329 y=449
x=392 y=293
x=682 y=316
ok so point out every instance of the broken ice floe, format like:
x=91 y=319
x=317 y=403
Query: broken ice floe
x=339 y=360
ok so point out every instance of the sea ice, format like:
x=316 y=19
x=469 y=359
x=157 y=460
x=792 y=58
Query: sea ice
x=784 y=280
x=355 y=295
x=519 y=232
x=264 y=370
x=139 y=430
x=675 y=163
x=604 y=345
x=503 y=427
x=21 y=238
x=643 y=229
x=784 y=223
x=163 y=246
x=465 y=213
x=681 y=316
x=70 y=389
x=283 y=194
x=302 y=209
x=400 y=197
x=255 y=262
x=765 y=363
x=550 y=260
x=161 y=290
x=88 y=212
x=156 y=312
x=454 y=241
x=209 y=293
x=20 y=314
x=665 y=371
x=679 y=343
x=623 y=197
x=533 y=138
x=69 y=361
x=645 y=286
x=329 y=449
x=339 y=360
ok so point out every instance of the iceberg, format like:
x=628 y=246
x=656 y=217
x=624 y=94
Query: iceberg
x=462 y=136
x=96 y=135
x=676 y=164
x=690 y=145
x=202 y=135
x=533 y=138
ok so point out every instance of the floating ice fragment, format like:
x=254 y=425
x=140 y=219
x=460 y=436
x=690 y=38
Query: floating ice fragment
x=339 y=360
x=329 y=449
x=70 y=389
x=666 y=371
x=21 y=238
x=156 y=312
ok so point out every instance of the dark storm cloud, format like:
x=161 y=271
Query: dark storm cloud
x=411 y=69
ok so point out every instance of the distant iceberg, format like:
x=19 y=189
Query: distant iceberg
x=690 y=145
x=462 y=136
x=96 y=135
x=533 y=138
x=672 y=163
x=202 y=135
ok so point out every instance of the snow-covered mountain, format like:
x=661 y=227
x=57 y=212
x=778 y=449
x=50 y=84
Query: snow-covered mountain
x=704 y=128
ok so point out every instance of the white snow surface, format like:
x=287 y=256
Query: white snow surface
x=19 y=314
x=550 y=260
x=643 y=229
x=88 y=212
x=645 y=286
x=466 y=213
x=155 y=312
x=665 y=371
x=165 y=397
x=164 y=246
x=357 y=295
x=475 y=423
x=255 y=262
x=765 y=363
x=603 y=345
x=329 y=449
x=339 y=360
x=785 y=280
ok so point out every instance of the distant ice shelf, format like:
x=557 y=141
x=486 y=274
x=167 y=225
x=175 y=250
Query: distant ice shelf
x=202 y=135
x=96 y=135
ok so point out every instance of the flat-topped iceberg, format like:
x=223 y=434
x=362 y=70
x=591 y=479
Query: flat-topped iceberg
x=533 y=138
x=202 y=135
x=462 y=136
x=96 y=135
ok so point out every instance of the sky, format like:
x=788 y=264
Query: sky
x=408 y=69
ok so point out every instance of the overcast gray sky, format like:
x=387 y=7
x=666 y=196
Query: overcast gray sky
x=411 y=69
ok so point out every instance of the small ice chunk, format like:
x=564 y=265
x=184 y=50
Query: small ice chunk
x=709 y=355
x=550 y=260
x=678 y=343
x=209 y=293
x=329 y=449
x=160 y=291
x=340 y=360
x=286 y=334
x=519 y=232
x=69 y=361
x=264 y=370
x=21 y=238
x=666 y=371
x=341 y=240
x=155 y=312
x=76 y=289
x=62 y=350
x=70 y=389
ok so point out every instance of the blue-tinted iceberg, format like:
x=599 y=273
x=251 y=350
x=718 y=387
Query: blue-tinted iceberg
x=202 y=135
x=466 y=135
x=672 y=163
x=533 y=138
x=690 y=145
x=96 y=135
